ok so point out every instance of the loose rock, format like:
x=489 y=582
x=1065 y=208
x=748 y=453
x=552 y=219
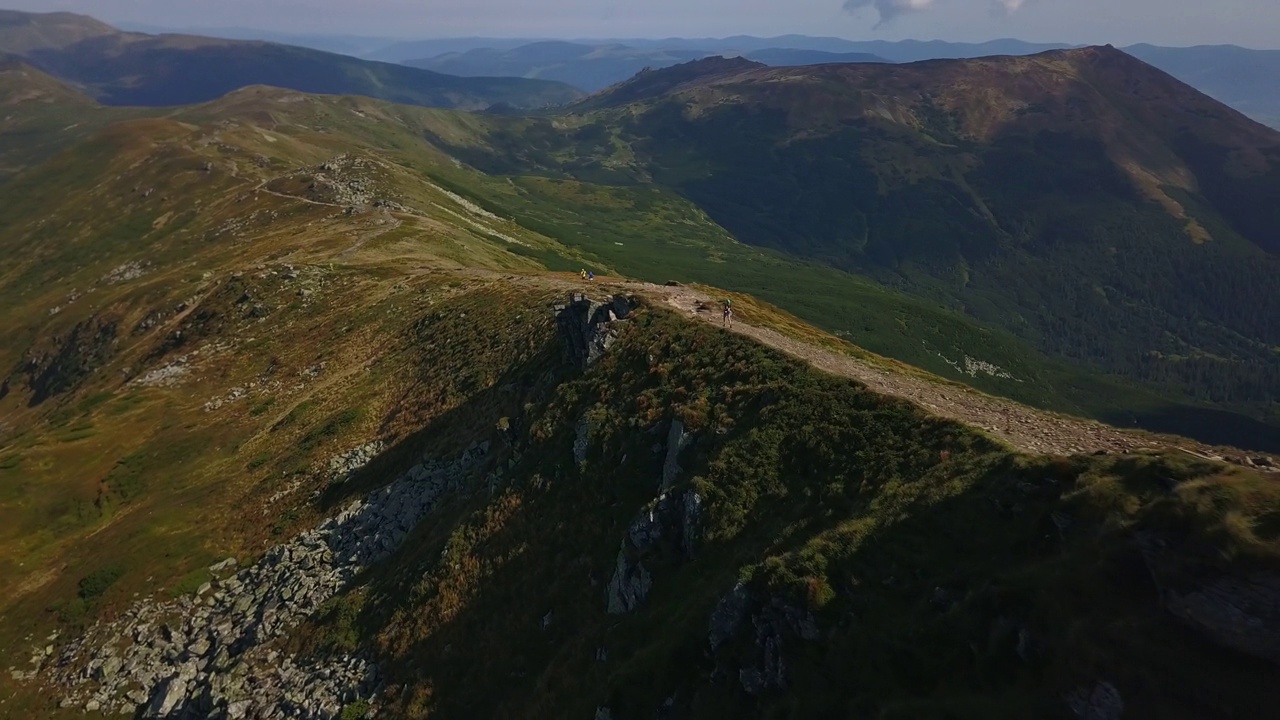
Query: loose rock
x=202 y=655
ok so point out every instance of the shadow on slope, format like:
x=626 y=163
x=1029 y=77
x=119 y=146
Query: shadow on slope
x=893 y=564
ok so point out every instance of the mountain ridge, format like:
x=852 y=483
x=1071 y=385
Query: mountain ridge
x=137 y=69
x=21 y=32
x=322 y=406
x=1139 y=171
x=1244 y=78
x=594 y=67
x=1241 y=77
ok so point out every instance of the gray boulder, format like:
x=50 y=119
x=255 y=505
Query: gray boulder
x=677 y=441
x=1239 y=613
x=629 y=586
x=1102 y=702
x=167 y=697
x=728 y=615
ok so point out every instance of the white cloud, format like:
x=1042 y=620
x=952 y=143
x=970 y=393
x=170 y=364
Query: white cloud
x=890 y=9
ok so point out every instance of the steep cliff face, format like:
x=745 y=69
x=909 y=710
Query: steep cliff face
x=585 y=326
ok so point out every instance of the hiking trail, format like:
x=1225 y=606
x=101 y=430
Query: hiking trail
x=1025 y=428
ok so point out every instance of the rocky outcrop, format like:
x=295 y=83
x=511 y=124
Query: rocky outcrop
x=90 y=345
x=1101 y=702
x=124 y=273
x=341 y=467
x=629 y=586
x=728 y=615
x=775 y=623
x=1239 y=613
x=666 y=526
x=677 y=441
x=690 y=523
x=205 y=655
x=631 y=582
x=585 y=326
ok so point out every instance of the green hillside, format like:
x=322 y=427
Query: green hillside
x=164 y=70
x=1097 y=210
x=304 y=411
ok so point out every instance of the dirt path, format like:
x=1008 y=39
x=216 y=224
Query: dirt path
x=1027 y=429
x=1024 y=428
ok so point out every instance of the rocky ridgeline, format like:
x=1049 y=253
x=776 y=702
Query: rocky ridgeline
x=667 y=526
x=350 y=181
x=343 y=181
x=341 y=467
x=586 y=326
x=206 y=655
x=775 y=622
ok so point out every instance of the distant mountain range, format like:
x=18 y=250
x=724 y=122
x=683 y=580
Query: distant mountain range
x=900 y=51
x=1246 y=79
x=1243 y=78
x=595 y=67
x=120 y=68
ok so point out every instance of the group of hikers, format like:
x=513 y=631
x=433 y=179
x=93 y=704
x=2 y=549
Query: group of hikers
x=586 y=274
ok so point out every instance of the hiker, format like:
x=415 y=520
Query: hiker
x=582 y=273
x=591 y=275
x=728 y=313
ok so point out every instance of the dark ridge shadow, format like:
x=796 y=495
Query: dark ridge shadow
x=496 y=607
x=1209 y=426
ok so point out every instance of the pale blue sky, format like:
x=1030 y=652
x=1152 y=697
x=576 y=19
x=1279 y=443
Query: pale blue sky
x=1252 y=23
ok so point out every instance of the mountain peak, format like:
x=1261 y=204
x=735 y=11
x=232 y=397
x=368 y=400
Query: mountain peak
x=22 y=32
x=1095 y=53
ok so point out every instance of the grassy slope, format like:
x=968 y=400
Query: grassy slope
x=112 y=489
x=41 y=115
x=826 y=497
x=653 y=233
x=1020 y=221
x=117 y=482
